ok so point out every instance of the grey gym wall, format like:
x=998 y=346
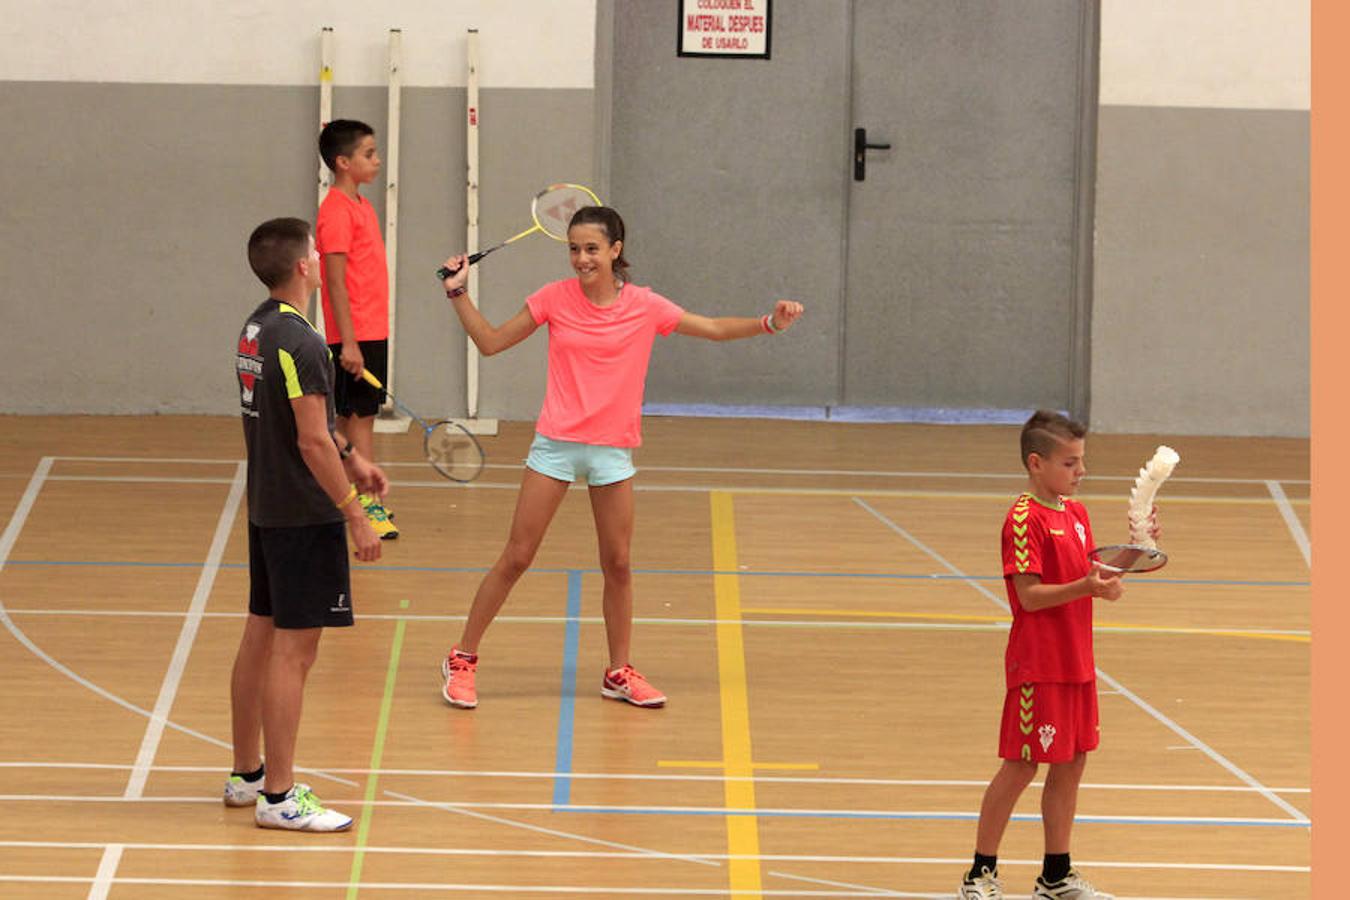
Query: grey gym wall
x=128 y=204
x=735 y=176
x=1200 y=319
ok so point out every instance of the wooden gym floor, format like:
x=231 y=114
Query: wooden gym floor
x=820 y=601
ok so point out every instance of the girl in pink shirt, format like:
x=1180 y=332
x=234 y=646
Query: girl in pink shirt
x=601 y=331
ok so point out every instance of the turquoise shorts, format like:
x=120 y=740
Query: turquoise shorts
x=570 y=461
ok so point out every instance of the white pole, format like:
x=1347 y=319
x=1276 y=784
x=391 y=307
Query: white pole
x=471 y=188
x=325 y=116
x=391 y=192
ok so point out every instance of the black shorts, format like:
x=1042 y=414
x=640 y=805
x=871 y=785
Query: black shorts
x=300 y=577
x=354 y=396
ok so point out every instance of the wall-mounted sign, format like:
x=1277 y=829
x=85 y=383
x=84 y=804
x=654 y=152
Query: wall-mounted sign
x=738 y=29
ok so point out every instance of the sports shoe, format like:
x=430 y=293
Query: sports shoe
x=984 y=886
x=626 y=683
x=379 y=518
x=1071 y=887
x=299 y=810
x=457 y=673
x=239 y=792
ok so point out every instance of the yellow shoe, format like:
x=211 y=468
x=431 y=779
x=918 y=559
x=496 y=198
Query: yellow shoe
x=379 y=518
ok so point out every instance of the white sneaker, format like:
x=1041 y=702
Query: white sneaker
x=239 y=792
x=299 y=810
x=1071 y=887
x=984 y=886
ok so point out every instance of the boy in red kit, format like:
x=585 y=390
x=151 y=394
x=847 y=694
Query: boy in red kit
x=355 y=291
x=1050 y=709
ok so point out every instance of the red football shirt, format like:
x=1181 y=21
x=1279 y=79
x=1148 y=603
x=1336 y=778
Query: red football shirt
x=1055 y=644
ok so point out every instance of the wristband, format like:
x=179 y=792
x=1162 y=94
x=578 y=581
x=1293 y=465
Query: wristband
x=351 y=495
x=766 y=321
x=456 y=292
x=346 y=452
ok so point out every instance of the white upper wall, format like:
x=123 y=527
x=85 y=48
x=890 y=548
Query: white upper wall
x=523 y=43
x=1229 y=54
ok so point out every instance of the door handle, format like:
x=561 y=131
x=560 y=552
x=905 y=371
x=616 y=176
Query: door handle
x=860 y=148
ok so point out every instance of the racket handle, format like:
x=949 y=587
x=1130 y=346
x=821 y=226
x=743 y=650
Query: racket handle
x=370 y=378
x=443 y=273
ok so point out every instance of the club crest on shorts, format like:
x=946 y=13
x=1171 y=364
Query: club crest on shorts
x=1047 y=733
x=341 y=604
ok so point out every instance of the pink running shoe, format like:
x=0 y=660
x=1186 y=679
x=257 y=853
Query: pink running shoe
x=626 y=683
x=457 y=672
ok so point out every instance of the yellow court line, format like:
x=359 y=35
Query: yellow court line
x=952 y=617
x=721 y=764
x=739 y=790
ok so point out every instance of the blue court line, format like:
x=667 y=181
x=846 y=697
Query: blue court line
x=562 y=766
x=1136 y=583
x=932 y=816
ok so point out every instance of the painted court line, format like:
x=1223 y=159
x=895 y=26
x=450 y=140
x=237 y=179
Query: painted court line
x=168 y=689
x=586 y=890
x=376 y=756
x=1194 y=741
x=727 y=469
x=1183 y=865
x=994 y=623
x=742 y=831
x=1291 y=520
x=807 y=780
x=107 y=872
x=562 y=782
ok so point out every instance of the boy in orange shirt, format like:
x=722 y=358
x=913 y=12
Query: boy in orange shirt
x=355 y=291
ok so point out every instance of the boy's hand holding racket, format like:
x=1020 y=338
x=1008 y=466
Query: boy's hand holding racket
x=1105 y=582
x=785 y=314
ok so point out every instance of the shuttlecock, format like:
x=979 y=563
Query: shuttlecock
x=1151 y=477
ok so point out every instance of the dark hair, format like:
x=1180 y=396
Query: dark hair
x=1045 y=429
x=275 y=247
x=612 y=223
x=339 y=138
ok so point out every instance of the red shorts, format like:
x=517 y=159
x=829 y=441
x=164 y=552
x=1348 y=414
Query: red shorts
x=1049 y=723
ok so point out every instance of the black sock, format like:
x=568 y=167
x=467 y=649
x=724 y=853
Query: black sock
x=276 y=798
x=248 y=776
x=1055 y=868
x=983 y=862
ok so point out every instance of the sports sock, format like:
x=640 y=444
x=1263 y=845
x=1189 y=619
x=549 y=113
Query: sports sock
x=471 y=657
x=983 y=862
x=248 y=776
x=276 y=798
x=1055 y=868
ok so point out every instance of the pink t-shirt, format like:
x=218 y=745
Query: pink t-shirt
x=597 y=361
x=350 y=226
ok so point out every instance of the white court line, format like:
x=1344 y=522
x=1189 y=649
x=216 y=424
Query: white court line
x=1209 y=751
x=804 y=778
x=1291 y=520
x=640 y=855
x=471 y=807
x=168 y=690
x=699 y=489
x=732 y=470
x=522 y=889
x=107 y=871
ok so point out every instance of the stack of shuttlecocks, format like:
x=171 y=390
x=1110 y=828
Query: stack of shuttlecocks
x=1151 y=477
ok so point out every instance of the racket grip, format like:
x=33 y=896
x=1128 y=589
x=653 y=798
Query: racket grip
x=443 y=273
x=370 y=378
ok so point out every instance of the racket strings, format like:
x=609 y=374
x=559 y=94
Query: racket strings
x=555 y=207
x=453 y=451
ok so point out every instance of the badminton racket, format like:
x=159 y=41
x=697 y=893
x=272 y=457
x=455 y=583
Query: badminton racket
x=551 y=210
x=1122 y=558
x=451 y=448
